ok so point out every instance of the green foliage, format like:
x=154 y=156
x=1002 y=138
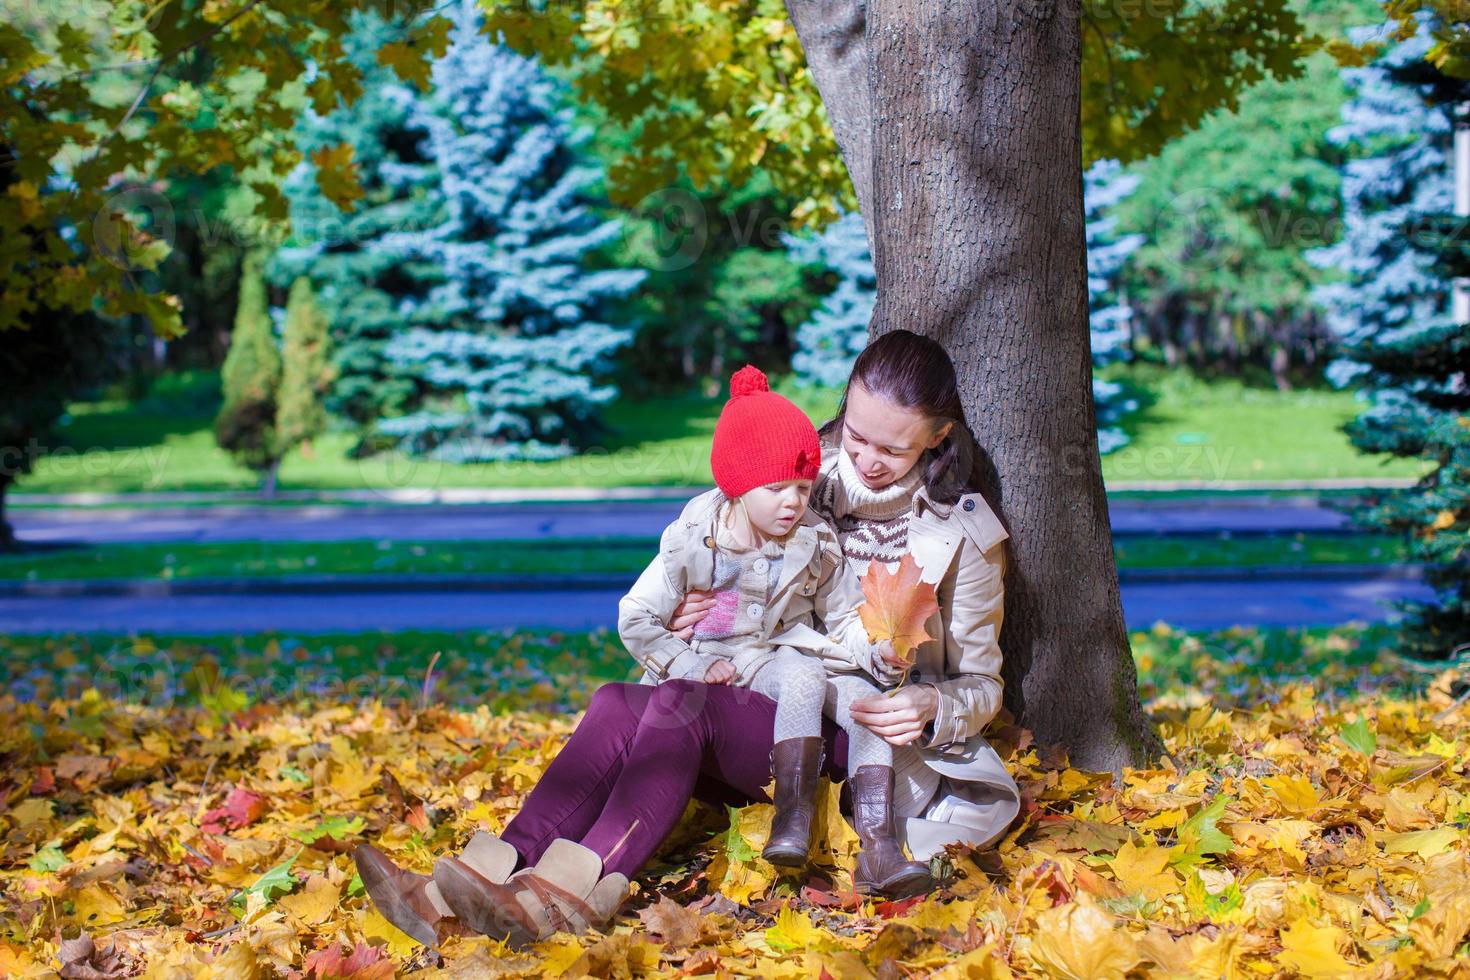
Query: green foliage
x=1422 y=412
x=306 y=371
x=100 y=101
x=362 y=282
x=1229 y=212
x=1150 y=71
x=1450 y=53
x=246 y=425
x=720 y=290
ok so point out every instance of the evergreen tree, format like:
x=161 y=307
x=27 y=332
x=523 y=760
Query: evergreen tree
x=1401 y=173
x=509 y=351
x=362 y=281
x=1104 y=186
x=306 y=370
x=1421 y=410
x=251 y=378
x=1398 y=255
x=829 y=342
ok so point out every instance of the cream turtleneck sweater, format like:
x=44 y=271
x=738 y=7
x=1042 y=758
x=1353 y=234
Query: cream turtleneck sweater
x=873 y=525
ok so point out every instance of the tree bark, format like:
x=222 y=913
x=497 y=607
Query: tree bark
x=977 y=226
x=833 y=38
x=8 y=540
x=268 y=482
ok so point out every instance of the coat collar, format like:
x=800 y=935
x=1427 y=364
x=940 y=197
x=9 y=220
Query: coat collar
x=693 y=546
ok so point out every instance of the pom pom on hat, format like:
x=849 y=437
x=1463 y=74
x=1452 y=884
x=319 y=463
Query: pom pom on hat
x=748 y=381
x=761 y=438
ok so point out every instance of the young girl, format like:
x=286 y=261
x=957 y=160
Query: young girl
x=777 y=575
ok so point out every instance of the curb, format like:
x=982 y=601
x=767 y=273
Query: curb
x=410 y=496
x=595 y=582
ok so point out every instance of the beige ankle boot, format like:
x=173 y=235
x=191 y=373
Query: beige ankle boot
x=565 y=892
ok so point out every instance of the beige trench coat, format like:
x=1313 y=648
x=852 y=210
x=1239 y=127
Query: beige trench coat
x=961 y=549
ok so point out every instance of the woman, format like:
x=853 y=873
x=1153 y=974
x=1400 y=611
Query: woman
x=901 y=477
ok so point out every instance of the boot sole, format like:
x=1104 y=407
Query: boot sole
x=785 y=858
x=900 y=886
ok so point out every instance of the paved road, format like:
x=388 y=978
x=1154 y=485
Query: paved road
x=1250 y=516
x=1192 y=605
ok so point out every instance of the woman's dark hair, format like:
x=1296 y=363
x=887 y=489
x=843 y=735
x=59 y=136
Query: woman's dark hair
x=916 y=373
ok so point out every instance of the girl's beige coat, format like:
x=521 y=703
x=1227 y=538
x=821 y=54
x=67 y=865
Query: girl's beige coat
x=816 y=588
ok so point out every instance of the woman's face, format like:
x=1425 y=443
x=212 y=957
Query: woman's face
x=885 y=439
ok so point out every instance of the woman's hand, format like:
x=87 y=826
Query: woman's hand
x=689 y=612
x=719 y=672
x=898 y=718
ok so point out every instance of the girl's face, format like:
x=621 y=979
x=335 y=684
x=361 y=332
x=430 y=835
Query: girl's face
x=884 y=439
x=775 y=508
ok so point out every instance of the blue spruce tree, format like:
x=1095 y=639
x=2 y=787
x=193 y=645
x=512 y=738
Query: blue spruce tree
x=509 y=349
x=1402 y=173
x=1399 y=253
x=1104 y=185
x=828 y=343
x=361 y=281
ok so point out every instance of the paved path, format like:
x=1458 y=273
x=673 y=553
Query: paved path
x=326 y=522
x=1191 y=605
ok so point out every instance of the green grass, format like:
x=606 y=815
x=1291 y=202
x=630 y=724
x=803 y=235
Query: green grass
x=167 y=443
x=250 y=559
x=543 y=670
x=1188 y=429
x=557 y=671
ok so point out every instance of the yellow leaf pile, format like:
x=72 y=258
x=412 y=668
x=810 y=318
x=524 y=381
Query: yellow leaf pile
x=1293 y=835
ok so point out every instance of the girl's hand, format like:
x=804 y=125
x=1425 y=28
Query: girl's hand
x=695 y=606
x=898 y=718
x=883 y=650
x=719 y=672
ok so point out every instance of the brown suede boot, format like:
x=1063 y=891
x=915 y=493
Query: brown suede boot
x=882 y=866
x=412 y=901
x=796 y=763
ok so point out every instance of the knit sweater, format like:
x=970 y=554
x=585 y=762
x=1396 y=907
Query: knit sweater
x=744 y=580
x=873 y=525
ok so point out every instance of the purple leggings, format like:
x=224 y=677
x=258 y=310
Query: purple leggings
x=623 y=779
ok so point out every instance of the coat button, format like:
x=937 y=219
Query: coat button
x=969 y=505
x=709 y=542
x=761 y=565
x=755 y=610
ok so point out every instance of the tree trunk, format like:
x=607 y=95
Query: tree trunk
x=8 y=540
x=975 y=214
x=268 y=483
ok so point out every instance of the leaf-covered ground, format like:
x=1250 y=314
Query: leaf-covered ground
x=1312 y=827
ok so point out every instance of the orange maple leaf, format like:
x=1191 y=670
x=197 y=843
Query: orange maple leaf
x=897 y=607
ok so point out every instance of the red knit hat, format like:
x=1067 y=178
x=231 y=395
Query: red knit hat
x=761 y=438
